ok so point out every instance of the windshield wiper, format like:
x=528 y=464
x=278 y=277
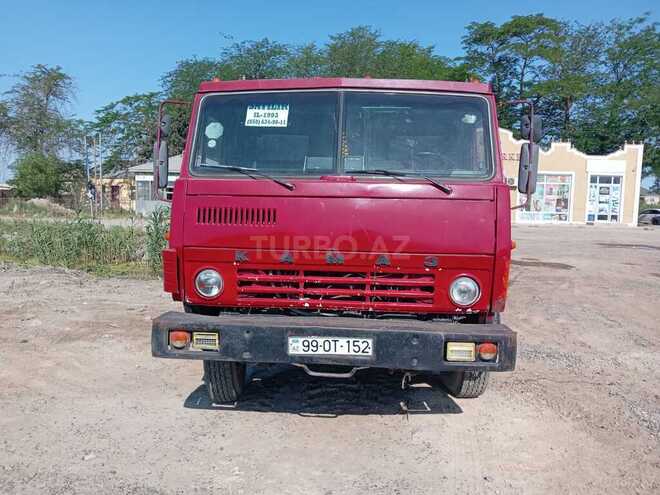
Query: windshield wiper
x=250 y=172
x=396 y=173
x=377 y=171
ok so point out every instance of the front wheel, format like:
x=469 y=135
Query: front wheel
x=225 y=380
x=465 y=384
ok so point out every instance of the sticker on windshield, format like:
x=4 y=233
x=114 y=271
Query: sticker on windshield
x=268 y=115
x=214 y=130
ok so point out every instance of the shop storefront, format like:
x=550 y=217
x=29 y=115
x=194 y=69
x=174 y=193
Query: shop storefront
x=573 y=187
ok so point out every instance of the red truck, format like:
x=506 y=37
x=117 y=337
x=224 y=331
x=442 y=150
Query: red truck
x=339 y=224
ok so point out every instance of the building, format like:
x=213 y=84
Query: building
x=117 y=188
x=143 y=176
x=573 y=187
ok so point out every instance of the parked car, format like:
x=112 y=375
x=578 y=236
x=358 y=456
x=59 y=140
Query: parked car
x=649 y=217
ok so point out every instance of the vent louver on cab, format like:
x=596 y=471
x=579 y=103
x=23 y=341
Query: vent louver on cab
x=235 y=215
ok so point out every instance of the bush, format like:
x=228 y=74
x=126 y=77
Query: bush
x=157 y=227
x=38 y=176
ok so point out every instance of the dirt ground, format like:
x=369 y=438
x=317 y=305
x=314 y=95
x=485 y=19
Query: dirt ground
x=84 y=408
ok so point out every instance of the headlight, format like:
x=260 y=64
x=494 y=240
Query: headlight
x=464 y=291
x=209 y=283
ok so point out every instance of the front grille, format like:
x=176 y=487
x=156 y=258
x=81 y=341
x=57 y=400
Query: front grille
x=378 y=290
x=233 y=215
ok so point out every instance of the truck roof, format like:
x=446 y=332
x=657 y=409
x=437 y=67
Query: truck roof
x=344 y=83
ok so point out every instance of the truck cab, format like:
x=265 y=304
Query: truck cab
x=336 y=225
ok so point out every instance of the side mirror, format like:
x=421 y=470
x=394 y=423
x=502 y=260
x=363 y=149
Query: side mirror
x=165 y=125
x=163 y=165
x=531 y=129
x=161 y=154
x=528 y=168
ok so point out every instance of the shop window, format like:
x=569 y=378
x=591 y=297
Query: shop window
x=604 y=200
x=550 y=202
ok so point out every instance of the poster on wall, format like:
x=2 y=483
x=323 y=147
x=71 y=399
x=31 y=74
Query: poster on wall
x=550 y=202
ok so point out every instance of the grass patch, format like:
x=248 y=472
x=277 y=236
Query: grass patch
x=34 y=208
x=45 y=208
x=156 y=229
x=79 y=244
x=84 y=244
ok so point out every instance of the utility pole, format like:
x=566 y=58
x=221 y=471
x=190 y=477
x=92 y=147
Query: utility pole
x=101 y=171
x=95 y=160
x=86 y=161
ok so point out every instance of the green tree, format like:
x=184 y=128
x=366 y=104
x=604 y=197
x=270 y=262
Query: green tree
x=127 y=127
x=353 y=53
x=410 y=60
x=306 y=61
x=262 y=59
x=512 y=56
x=183 y=81
x=625 y=106
x=596 y=85
x=487 y=54
x=532 y=40
x=4 y=120
x=569 y=77
x=38 y=176
x=36 y=110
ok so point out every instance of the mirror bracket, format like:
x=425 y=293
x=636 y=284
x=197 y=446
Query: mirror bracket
x=161 y=158
x=531 y=130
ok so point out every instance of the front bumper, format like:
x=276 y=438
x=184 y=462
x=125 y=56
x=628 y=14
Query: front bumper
x=398 y=344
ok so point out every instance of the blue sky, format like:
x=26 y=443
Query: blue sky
x=116 y=48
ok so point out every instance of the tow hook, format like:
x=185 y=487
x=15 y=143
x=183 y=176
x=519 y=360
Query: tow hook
x=329 y=374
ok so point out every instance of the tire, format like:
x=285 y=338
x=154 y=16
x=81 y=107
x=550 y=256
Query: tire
x=466 y=384
x=224 y=380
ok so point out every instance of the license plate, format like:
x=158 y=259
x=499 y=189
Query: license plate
x=338 y=346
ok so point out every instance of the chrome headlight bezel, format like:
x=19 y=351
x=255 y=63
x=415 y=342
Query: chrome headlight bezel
x=209 y=284
x=462 y=283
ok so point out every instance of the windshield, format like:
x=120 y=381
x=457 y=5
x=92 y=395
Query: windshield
x=296 y=134
x=438 y=135
x=284 y=133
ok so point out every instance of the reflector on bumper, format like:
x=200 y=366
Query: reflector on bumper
x=461 y=351
x=204 y=341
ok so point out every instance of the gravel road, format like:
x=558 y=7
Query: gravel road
x=84 y=408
